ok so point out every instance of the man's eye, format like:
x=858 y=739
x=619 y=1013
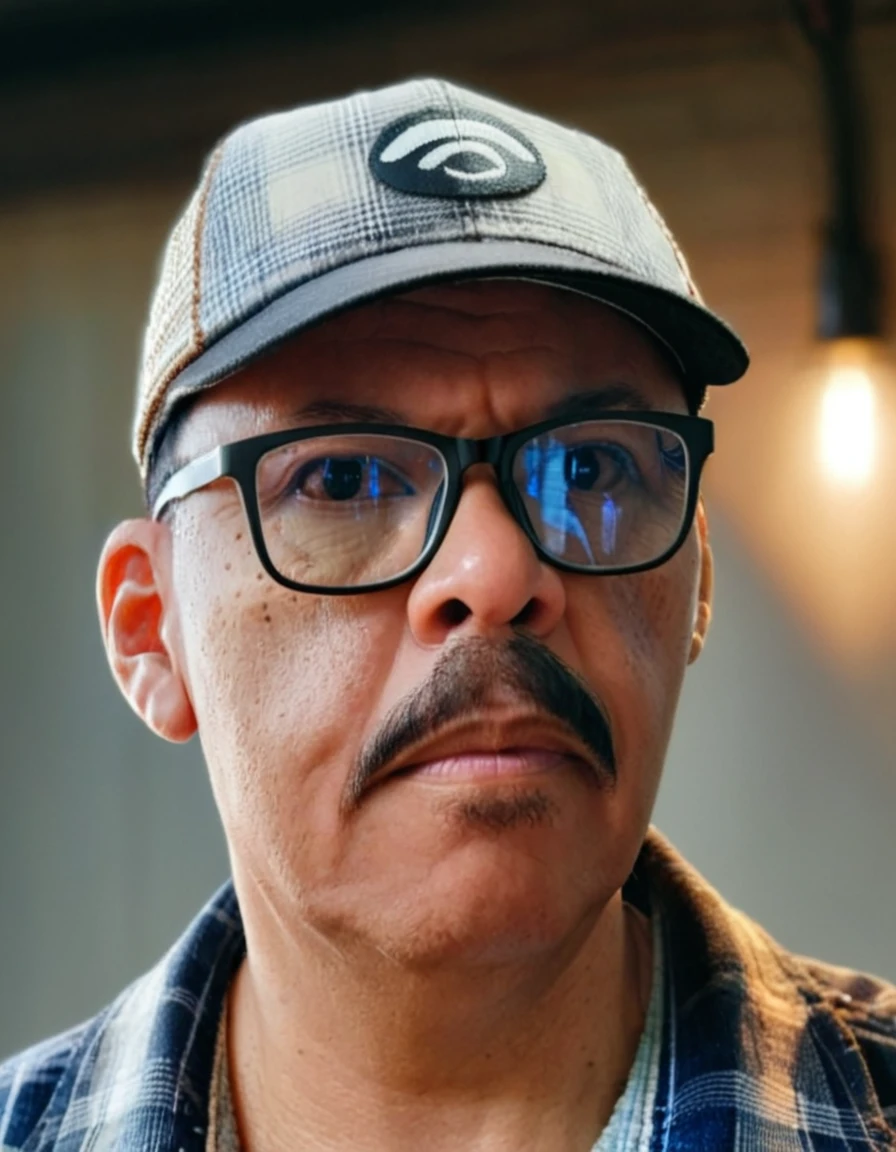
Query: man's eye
x=600 y=466
x=672 y=454
x=339 y=478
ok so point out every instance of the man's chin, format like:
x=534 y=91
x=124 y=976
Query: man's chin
x=513 y=893
x=506 y=930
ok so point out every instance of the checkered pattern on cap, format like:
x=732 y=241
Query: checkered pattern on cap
x=289 y=198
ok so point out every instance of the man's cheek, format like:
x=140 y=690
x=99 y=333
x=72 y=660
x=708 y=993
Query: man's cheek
x=287 y=683
x=643 y=661
x=322 y=656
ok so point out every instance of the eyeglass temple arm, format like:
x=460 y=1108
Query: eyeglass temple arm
x=188 y=479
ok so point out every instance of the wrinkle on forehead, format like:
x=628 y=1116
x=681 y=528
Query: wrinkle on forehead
x=478 y=318
x=466 y=359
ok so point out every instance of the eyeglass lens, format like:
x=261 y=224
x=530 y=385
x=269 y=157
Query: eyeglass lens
x=604 y=495
x=351 y=510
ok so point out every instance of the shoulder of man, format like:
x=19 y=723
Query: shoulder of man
x=865 y=1006
x=772 y=1040
x=37 y=1086
x=137 y=1075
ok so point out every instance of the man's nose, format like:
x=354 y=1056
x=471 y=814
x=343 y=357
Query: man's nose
x=486 y=576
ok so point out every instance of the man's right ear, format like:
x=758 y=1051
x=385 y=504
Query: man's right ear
x=136 y=630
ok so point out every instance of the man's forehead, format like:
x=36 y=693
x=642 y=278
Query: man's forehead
x=552 y=309
x=539 y=334
x=490 y=356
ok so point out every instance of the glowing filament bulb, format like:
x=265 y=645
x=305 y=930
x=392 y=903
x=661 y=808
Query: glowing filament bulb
x=847 y=442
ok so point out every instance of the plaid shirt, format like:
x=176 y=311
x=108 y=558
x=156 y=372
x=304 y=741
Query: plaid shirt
x=762 y=1050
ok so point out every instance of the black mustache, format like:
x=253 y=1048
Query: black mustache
x=465 y=679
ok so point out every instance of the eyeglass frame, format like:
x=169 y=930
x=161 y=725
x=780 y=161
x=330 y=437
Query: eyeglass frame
x=238 y=461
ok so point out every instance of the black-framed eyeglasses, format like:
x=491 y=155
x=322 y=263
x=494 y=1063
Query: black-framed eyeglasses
x=349 y=508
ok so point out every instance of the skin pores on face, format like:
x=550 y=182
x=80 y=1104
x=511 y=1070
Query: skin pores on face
x=287 y=687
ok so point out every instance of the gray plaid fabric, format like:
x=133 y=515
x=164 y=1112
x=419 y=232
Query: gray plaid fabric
x=288 y=200
x=762 y=1051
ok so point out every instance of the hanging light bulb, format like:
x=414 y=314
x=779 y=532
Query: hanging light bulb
x=835 y=530
x=852 y=374
x=851 y=361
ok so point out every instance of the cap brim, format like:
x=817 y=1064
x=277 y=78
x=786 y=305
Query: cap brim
x=708 y=351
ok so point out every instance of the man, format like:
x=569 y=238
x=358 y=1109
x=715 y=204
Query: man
x=424 y=565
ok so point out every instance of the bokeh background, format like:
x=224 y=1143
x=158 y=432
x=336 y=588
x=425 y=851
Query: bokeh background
x=781 y=780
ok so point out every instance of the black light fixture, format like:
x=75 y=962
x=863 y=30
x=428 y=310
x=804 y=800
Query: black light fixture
x=850 y=314
x=849 y=289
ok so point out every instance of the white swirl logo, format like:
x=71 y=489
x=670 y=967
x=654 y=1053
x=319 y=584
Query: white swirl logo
x=434 y=153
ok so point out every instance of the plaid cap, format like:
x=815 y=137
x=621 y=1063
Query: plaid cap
x=304 y=213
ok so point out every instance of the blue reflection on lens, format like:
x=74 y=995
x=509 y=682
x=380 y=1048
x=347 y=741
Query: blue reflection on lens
x=374 y=477
x=610 y=514
x=546 y=482
x=533 y=469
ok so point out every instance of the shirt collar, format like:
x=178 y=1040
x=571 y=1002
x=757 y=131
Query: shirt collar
x=752 y=1046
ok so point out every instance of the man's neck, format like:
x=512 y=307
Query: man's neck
x=325 y=1056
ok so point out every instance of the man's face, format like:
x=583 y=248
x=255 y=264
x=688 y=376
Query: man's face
x=289 y=688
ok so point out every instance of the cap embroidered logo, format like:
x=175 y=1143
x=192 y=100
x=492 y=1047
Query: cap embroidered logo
x=441 y=153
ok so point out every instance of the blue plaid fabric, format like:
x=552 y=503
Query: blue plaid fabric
x=763 y=1051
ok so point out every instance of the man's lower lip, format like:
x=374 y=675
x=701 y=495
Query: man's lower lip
x=509 y=762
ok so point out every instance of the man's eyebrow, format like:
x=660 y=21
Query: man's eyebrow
x=342 y=411
x=609 y=396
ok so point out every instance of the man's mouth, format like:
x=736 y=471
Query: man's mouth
x=489 y=712
x=493 y=747
x=484 y=764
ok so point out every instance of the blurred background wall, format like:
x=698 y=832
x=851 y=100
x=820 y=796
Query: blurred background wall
x=781 y=781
